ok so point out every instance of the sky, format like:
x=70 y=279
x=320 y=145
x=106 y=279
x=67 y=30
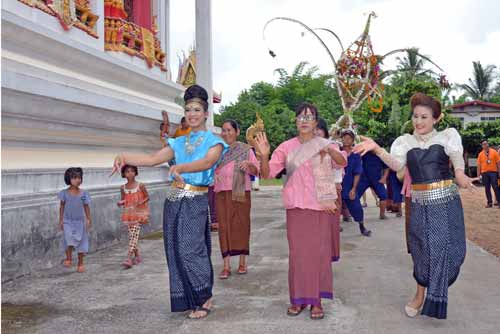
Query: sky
x=452 y=32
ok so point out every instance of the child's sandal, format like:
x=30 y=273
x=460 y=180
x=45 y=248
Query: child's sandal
x=67 y=263
x=137 y=260
x=127 y=263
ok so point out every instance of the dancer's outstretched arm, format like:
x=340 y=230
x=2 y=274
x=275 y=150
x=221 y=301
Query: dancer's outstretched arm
x=140 y=159
x=367 y=144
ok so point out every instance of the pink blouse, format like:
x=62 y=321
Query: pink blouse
x=224 y=175
x=300 y=191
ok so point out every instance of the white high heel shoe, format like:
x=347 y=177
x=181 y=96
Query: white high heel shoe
x=412 y=312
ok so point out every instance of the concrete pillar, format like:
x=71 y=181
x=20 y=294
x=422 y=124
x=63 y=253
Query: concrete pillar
x=204 y=51
x=164 y=26
x=98 y=9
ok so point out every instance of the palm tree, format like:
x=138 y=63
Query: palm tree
x=481 y=86
x=413 y=63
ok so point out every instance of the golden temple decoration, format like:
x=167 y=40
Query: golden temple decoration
x=121 y=35
x=148 y=46
x=65 y=11
x=87 y=19
x=187 y=69
x=70 y=13
x=187 y=73
x=254 y=129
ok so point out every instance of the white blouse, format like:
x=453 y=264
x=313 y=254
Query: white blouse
x=449 y=138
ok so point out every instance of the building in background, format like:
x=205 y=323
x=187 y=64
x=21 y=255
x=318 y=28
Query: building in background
x=81 y=81
x=475 y=111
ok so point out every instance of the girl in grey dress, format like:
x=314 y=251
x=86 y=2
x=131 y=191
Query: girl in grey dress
x=74 y=217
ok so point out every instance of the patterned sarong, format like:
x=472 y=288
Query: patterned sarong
x=437 y=244
x=186 y=234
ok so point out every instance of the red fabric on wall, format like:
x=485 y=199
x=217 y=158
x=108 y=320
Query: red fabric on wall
x=142 y=13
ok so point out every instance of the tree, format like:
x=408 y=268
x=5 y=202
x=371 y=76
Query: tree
x=481 y=86
x=413 y=64
x=474 y=133
x=276 y=103
x=496 y=94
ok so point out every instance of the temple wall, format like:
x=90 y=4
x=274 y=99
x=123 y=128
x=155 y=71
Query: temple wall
x=66 y=102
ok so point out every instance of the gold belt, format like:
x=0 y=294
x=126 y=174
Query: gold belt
x=433 y=185
x=189 y=187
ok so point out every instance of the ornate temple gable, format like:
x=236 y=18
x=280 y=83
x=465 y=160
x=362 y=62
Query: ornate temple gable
x=139 y=38
x=70 y=13
x=187 y=69
x=187 y=73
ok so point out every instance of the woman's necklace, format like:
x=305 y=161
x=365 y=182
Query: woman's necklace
x=188 y=147
x=425 y=137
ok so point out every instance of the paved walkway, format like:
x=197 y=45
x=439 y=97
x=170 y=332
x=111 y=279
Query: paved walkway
x=372 y=284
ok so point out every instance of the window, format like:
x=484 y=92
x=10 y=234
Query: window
x=489 y=118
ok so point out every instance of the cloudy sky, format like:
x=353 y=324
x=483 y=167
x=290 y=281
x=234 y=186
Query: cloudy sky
x=452 y=32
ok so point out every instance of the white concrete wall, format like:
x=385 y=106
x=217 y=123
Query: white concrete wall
x=66 y=102
x=69 y=98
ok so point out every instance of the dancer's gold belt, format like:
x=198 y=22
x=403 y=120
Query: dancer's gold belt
x=433 y=185
x=190 y=187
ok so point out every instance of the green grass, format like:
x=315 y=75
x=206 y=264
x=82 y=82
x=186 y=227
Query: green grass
x=270 y=182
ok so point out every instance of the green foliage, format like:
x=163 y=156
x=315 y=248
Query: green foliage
x=474 y=133
x=276 y=105
x=480 y=87
x=392 y=122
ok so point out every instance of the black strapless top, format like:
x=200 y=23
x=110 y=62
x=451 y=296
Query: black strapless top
x=428 y=165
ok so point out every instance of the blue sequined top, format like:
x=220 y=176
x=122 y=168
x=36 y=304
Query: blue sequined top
x=201 y=142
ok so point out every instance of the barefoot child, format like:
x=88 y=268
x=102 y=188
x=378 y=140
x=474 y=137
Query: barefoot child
x=74 y=217
x=134 y=201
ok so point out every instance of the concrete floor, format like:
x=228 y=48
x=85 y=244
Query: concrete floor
x=372 y=283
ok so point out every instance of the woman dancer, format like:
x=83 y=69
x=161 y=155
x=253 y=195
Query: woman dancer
x=232 y=199
x=436 y=231
x=186 y=229
x=309 y=196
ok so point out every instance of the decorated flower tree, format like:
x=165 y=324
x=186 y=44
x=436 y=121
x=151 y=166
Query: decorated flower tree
x=358 y=71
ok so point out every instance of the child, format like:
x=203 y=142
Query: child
x=74 y=217
x=135 y=212
x=164 y=128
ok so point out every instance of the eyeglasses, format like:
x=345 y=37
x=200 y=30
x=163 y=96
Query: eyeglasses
x=306 y=118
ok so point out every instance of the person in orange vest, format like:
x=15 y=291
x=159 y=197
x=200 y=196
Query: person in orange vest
x=488 y=169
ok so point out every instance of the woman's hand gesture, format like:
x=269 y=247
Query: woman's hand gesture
x=367 y=144
x=117 y=164
x=245 y=166
x=262 y=144
x=175 y=171
x=464 y=181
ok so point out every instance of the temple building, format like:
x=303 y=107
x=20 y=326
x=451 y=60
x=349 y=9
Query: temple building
x=83 y=80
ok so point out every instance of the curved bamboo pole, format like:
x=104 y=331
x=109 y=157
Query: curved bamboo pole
x=304 y=26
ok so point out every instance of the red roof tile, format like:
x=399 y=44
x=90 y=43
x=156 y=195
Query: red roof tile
x=475 y=103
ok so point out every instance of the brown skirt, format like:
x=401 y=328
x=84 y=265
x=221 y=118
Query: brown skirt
x=310 y=275
x=234 y=223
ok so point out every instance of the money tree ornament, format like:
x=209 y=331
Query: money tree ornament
x=358 y=71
